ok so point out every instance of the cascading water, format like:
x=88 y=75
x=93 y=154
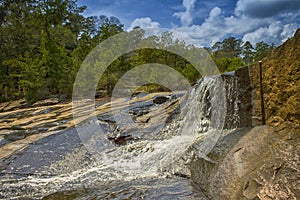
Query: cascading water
x=153 y=167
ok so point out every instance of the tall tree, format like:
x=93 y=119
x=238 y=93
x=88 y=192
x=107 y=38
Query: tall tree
x=106 y=27
x=229 y=48
x=248 y=52
x=41 y=33
x=18 y=34
x=262 y=49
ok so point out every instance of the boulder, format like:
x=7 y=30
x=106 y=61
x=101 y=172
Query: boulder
x=203 y=170
x=262 y=164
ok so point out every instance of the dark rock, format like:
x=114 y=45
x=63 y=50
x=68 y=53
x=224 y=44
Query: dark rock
x=238 y=99
x=160 y=99
x=16 y=135
x=42 y=129
x=244 y=97
x=120 y=140
x=99 y=94
x=63 y=97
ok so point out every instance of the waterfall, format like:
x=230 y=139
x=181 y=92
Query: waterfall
x=211 y=107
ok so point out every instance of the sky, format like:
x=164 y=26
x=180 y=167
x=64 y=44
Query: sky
x=204 y=22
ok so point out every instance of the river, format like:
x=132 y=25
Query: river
x=150 y=161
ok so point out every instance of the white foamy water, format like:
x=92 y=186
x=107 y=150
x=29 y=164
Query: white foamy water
x=193 y=133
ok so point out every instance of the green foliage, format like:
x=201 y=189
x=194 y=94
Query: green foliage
x=229 y=64
x=262 y=50
x=43 y=44
x=150 y=88
x=232 y=53
x=229 y=48
x=248 y=52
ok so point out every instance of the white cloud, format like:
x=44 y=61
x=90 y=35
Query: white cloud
x=217 y=26
x=144 y=23
x=206 y=33
x=215 y=13
x=273 y=29
x=151 y=27
x=186 y=18
x=273 y=33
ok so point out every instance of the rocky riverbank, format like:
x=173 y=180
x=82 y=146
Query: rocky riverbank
x=262 y=163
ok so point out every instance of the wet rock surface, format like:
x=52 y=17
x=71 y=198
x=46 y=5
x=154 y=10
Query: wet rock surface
x=52 y=161
x=160 y=99
x=238 y=99
x=166 y=189
x=40 y=154
x=32 y=140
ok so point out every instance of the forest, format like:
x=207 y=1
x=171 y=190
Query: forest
x=43 y=43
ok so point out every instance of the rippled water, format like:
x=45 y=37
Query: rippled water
x=150 y=169
x=156 y=188
x=143 y=188
x=155 y=167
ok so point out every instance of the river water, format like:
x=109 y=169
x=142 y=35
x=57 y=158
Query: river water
x=152 y=167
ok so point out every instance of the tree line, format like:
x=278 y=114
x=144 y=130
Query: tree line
x=43 y=44
x=233 y=53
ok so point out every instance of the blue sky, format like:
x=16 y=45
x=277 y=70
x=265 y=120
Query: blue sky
x=204 y=22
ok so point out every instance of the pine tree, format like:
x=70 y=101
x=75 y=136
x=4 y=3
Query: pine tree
x=248 y=52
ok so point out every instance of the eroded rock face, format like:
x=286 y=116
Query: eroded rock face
x=281 y=84
x=148 y=114
x=263 y=164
